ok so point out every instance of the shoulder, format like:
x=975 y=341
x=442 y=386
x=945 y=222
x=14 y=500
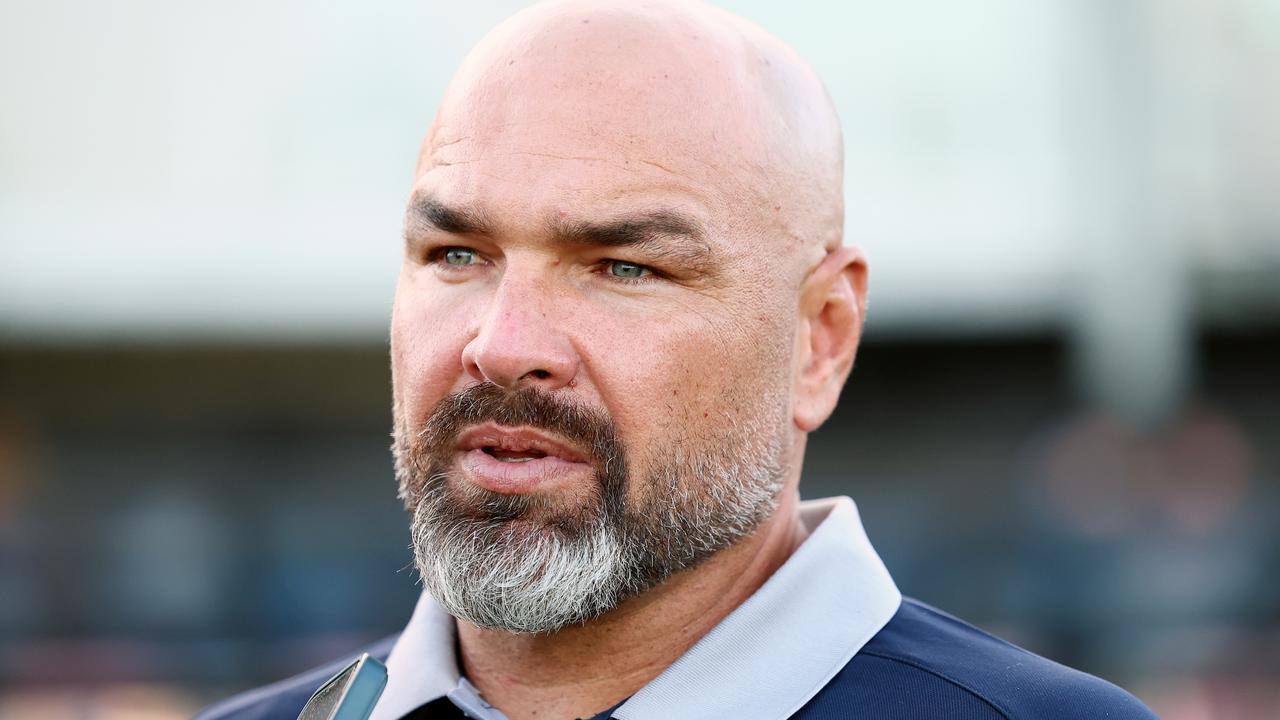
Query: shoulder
x=284 y=700
x=927 y=664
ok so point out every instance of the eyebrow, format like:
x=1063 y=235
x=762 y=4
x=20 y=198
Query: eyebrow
x=666 y=234
x=428 y=213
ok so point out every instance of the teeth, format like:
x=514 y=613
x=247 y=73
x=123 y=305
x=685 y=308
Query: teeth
x=515 y=459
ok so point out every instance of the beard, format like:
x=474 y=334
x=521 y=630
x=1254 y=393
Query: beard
x=535 y=563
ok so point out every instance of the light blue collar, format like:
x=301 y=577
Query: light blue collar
x=765 y=660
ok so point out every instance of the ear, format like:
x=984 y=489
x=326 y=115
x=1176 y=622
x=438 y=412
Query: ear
x=832 y=305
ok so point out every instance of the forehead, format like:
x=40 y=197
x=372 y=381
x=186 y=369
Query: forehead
x=568 y=120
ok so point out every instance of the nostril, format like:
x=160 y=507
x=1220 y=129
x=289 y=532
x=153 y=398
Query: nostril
x=540 y=374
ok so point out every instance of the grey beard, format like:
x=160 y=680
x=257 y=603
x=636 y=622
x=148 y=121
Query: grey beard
x=516 y=576
x=518 y=564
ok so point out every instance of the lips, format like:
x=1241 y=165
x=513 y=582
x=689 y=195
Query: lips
x=519 y=460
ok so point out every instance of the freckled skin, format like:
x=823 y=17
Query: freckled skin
x=587 y=111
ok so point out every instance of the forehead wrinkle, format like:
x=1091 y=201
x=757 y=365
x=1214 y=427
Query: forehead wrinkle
x=621 y=80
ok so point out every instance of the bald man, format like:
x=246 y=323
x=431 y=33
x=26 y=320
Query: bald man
x=624 y=304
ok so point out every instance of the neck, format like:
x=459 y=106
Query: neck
x=584 y=669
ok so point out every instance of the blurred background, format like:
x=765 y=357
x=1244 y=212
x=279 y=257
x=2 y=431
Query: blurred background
x=1064 y=425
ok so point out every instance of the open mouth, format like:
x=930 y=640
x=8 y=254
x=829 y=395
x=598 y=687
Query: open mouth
x=517 y=445
x=520 y=459
x=512 y=456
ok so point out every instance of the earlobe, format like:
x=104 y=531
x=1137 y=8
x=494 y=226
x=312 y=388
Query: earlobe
x=832 y=305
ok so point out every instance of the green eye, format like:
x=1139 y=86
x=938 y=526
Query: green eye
x=618 y=268
x=460 y=256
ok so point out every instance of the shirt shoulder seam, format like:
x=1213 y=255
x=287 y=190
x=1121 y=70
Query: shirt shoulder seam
x=942 y=676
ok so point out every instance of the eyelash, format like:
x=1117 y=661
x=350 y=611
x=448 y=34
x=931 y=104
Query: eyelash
x=437 y=255
x=651 y=276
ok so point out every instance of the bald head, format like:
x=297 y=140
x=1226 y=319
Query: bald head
x=653 y=88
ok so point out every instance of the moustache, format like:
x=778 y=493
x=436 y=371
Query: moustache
x=589 y=429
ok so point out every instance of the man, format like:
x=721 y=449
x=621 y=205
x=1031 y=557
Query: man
x=624 y=304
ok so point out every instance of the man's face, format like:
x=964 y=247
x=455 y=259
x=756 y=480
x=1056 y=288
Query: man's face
x=592 y=341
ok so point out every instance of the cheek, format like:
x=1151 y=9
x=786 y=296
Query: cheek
x=681 y=378
x=428 y=333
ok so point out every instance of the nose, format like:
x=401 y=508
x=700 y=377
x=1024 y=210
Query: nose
x=519 y=340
